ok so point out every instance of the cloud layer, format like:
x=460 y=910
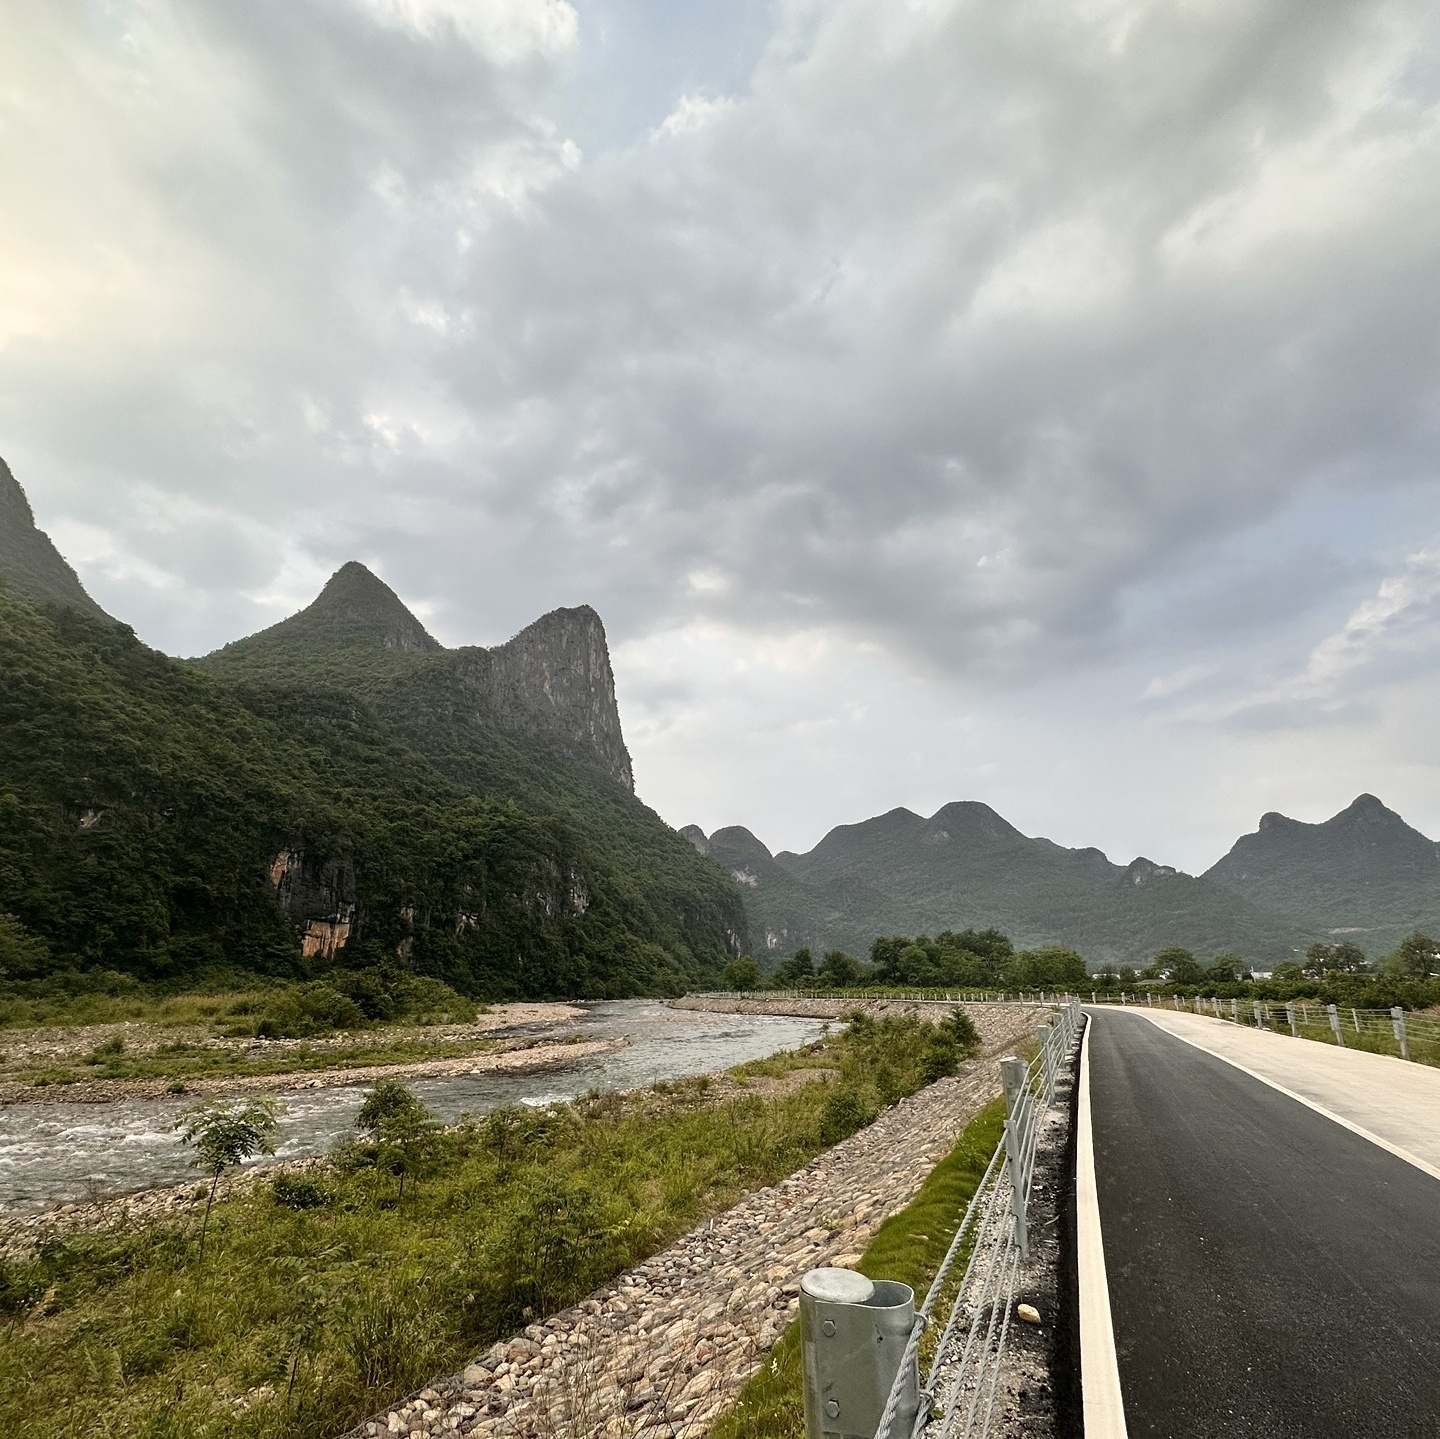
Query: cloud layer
x=1010 y=357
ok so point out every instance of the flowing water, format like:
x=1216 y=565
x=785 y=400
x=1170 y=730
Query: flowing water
x=50 y=1153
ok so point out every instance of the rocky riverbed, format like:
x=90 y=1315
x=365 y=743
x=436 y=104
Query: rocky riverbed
x=24 y=1051
x=666 y=1348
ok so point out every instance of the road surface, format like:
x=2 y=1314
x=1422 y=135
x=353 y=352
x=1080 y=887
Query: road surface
x=1271 y=1271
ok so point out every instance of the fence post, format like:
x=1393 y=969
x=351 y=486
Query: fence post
x=1339 y=1033
x=1017 y=1104
x=1356 y=1018
x=1397 y=1023
x=1235 y=1010
x=1290 y=1015
x=855 y=1334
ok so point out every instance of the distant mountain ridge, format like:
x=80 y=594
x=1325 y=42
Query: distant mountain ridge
x=337 y=790
x=1364 y=874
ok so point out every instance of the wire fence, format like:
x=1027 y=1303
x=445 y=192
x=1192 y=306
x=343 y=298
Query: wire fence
x=909 y=996
x=993 y=1241
x=1394 y=1031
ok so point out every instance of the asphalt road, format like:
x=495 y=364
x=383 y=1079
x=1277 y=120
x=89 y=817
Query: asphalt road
x=1270 y=1272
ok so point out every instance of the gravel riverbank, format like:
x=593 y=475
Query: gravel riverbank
x=47 y=1048
x=517 y=1058
x=666 y=1348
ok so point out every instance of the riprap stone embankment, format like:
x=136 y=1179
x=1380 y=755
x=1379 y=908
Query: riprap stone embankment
x=666 y=1348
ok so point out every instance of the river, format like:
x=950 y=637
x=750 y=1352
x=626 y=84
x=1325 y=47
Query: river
x=51 y=1153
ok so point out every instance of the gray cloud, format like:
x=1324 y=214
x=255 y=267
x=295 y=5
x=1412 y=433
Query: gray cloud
x=979 y=336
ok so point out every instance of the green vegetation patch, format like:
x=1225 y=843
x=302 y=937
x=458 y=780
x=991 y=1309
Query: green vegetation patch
x=162 y=824
x=908 y=1247
x=322 y=1299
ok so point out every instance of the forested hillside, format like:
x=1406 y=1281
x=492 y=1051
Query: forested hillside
x=1364 y=875
x=330 y=798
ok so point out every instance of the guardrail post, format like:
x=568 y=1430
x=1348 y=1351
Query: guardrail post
x=1397 y=1023
x=1260 y=1016
x=854 y=1333
x=1235 y=1010
x=1018 y=1106
x=1012 y=1077
x=1339 y=1033
x=1294 y=1023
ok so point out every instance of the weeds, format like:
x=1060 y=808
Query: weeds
x=322 y=1299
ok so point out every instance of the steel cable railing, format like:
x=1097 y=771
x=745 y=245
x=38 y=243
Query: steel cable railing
x=1395 y=1031
x=964 y=1368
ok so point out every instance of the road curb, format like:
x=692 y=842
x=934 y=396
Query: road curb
x=1102 y=1403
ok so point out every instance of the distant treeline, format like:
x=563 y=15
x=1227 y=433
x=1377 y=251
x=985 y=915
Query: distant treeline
x=987 y=959
x=973 y=959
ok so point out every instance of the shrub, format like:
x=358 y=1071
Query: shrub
x=296 y=1191
x=845 y=1112
x=307 y=1010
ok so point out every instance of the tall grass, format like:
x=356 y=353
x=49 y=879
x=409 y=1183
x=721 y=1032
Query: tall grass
x=322 y=1301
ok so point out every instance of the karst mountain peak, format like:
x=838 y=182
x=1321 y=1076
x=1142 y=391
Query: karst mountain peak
x=551 y=682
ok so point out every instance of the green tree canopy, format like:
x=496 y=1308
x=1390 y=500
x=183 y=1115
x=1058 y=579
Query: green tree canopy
x=1343 y=958
x=1417 y=956
x=742 y=974
x=1177 y=965
x=797 y=972
x=839 y=970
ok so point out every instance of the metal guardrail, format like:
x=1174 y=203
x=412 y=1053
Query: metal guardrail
x=993 y=1239
x=1385 y=1031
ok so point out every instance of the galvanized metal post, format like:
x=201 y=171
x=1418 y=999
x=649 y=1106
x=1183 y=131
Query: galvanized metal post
x=853 y=1335
x=1294 y=1024
x=1339 y=1033
x=1260 y=1016
x=1235 y=1010
x=1018 y=1113
x=1397 y=1023
x=1012 y=1079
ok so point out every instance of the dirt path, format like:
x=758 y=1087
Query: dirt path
x=666 y=1348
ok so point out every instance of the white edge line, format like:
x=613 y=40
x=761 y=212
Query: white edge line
x=1101 y=1399
x=1330 y=1114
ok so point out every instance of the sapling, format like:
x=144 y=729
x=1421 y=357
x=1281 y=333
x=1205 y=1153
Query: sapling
x=224 y=1137
x=396 y=1120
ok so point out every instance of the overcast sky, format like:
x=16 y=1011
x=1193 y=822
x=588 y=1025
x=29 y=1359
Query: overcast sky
x=1036 y=403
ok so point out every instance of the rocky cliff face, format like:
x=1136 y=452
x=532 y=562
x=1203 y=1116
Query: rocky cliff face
x=554 y=681
x=551 y=683
x=30 y=566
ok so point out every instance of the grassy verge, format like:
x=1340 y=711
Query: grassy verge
x=909 y=1247
x=323 y=1297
